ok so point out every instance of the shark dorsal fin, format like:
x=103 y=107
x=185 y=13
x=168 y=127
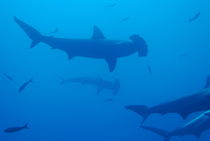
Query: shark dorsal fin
x=97 y=33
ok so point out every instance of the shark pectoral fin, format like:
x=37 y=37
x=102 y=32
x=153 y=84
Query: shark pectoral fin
x=112 y=62
x=70 y=56
x=34 y=43
x=184 y=115
x=198 y=134
x=97 y=33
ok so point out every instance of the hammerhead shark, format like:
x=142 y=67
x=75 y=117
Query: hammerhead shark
x=98 y=82
x=195 y=127
x=97 y=46
x=197 y=102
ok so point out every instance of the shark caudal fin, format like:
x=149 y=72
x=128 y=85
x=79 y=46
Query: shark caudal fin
x=166 y=135
x=139 y=109
x=140 y=44
x=116 y=87
x=32 y=33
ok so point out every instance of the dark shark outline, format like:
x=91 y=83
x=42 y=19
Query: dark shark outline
x=96 y=47
x=16 y=129
x=184 y=106
x=195 y=127
x=100 y=83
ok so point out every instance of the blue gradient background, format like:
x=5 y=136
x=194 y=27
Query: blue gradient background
x=75 y=112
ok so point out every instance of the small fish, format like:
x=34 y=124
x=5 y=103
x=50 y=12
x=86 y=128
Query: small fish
x=16 y=129
x=149 y=69
x=112 y=5
x=109 y=100
x=125 y=19
x=183 y=55
x=55 y=31
x=24 y=85
x=197 y=15
x=8 y=77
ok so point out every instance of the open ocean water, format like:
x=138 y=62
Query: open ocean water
x=90 y=59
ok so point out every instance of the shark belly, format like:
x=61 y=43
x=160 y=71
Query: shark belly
x=84 y=48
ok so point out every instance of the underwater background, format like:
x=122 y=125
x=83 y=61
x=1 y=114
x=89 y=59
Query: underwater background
x=177 y=65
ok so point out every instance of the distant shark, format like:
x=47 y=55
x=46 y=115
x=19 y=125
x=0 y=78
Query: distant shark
x=196 y=102
x=16 y=129
x=195 y=127
x=96 y=47
x=98 y=82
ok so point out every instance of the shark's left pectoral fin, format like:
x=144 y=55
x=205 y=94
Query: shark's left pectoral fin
x=34 y=43
x=112 y=62
x=70 y=56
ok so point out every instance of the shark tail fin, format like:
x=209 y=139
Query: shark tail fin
x=141 y=45
x=32 y=33
x=142 y=110
x=166 y=135
x=116 y=86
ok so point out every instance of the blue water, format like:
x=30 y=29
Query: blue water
x=178 y=56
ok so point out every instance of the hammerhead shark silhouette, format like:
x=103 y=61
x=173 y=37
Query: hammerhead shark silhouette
x=96 y=47
x=184 y=106
x=195 y=127
x=100 y=83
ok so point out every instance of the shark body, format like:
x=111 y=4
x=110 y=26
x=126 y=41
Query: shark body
x=97 y=46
